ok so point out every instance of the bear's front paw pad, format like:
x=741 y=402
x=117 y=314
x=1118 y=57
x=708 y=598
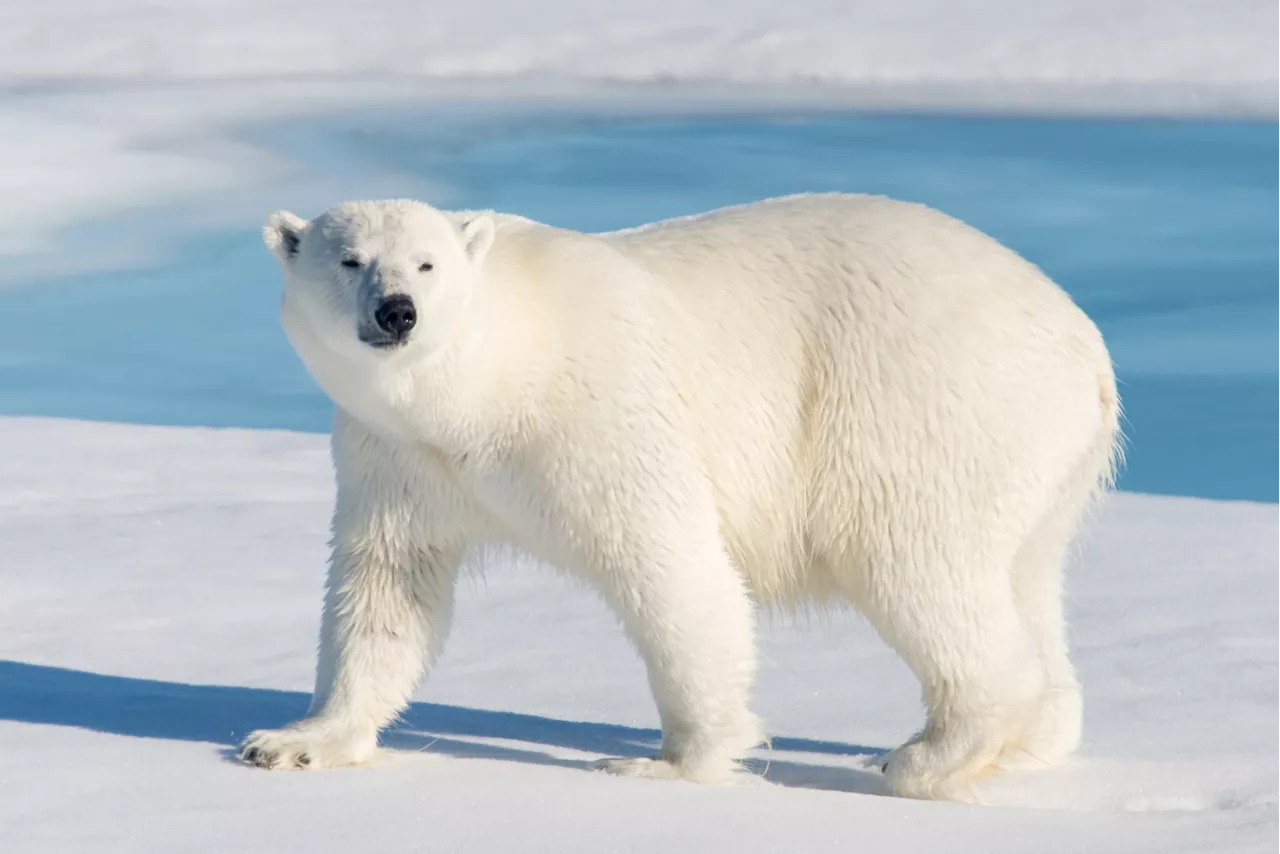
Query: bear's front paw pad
x=300 y=749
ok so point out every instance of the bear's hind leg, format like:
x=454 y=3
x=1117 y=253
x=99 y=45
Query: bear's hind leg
x=980 y=672
x=1053 y=731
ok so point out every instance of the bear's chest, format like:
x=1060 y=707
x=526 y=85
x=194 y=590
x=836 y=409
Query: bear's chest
x=508 y=504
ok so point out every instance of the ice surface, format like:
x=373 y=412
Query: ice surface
x=1196 y=53
x=159 y=596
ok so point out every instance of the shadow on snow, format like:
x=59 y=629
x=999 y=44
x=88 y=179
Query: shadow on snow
x=222 y=715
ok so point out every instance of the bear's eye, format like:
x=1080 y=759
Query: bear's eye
x=350 y=263
x=425 y=267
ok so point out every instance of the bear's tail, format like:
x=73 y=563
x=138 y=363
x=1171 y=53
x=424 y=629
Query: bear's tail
x=1108 y=451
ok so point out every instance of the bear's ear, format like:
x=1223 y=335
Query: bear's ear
x=283 y=233
x=477 y=237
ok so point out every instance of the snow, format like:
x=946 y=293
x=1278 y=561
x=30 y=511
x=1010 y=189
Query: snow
x=159 y=586
x=1200 y=52
x=160 y=597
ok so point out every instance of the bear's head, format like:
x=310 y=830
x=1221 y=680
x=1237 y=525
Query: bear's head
x=367 y=283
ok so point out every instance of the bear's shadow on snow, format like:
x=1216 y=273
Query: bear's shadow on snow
x=222 y=715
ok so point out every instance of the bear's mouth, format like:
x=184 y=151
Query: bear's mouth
x=379 y=340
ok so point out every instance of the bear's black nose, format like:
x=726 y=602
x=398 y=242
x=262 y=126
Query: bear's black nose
x=396 y=315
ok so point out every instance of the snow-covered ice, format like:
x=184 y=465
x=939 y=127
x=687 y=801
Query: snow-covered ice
x=160 y=597
x=1198 y=54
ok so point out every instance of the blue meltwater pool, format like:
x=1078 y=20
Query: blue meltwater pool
x=1164 y=231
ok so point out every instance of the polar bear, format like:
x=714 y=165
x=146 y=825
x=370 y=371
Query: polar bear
x=807 y=400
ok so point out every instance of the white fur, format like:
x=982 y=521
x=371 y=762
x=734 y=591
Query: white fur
x=807 y=400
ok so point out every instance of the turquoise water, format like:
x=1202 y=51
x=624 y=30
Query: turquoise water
x=1164 y=231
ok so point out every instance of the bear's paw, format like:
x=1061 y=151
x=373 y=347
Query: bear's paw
x=305 y=747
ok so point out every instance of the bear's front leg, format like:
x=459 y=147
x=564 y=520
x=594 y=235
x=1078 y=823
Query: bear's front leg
x=686 y=608
x=387 y=612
